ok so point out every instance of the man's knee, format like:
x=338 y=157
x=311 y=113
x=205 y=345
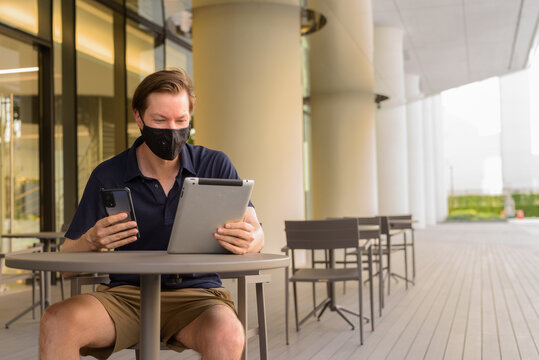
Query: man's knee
x=74 y=318
x=224 y=329
x=216 y=330
x=57 y=317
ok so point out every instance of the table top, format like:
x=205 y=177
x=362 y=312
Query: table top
x=36 y=235
x=145 y=262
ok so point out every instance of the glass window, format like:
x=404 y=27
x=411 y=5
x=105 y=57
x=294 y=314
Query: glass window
x=179 y=57
x=58 y=131
x=179 y=18
x=19 y=140
x=97 y=106
x=144 y=55
x=20 y=14
x=149 y=9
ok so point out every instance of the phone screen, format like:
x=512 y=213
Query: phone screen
x=117 y=201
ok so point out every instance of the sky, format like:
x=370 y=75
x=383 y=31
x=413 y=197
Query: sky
x=472 y=134
x=472 y=129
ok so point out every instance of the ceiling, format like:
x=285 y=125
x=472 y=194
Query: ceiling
x=455 y=42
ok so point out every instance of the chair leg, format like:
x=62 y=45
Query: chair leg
x=62 y=286
x=242 y=310
x=286 y=301
x=344 y=282
x=34 y=281
x=137 y=354
x=380 y=276
x=388 y=237
x=296 y=305
x=262 y=331
x=42 y=291
x=314 y=285
x=360 y=295
x=413 y=255
x=405 y=260
x=371 y=295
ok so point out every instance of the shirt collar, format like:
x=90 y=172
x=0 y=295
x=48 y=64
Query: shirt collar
x=186 y=160
x=133 y=171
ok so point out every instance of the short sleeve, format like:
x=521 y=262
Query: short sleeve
x=89 y=211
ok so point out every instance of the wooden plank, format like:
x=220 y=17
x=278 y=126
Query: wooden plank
x=439 y=339
x=409 y=333
x=520 y=311
x=473 y=336
x=457 y=334
x=391 y=327
x=419 y=345
x=490 y=348
x=506 y=339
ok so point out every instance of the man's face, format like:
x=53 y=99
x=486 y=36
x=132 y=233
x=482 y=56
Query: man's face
x=166 y=111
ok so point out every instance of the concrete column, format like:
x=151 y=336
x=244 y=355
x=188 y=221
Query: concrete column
x=516 y=146
x=430 y=195
x=342 y=110
x=416 y=163
x=440 y=171
x=391 y=141
x=247 y=74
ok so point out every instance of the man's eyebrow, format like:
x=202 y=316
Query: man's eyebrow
x=181 y=117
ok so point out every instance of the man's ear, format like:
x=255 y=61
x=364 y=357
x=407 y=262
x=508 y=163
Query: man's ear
x=136 y=114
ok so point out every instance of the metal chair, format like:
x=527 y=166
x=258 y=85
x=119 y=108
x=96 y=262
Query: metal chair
x=370 y=229
x=393 y=226
x=33 y=275
x=329 y=235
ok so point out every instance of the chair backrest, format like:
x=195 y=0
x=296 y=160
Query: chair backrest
x=371 y=232
x=322 y=234
x=407 y=224
x=388 y=224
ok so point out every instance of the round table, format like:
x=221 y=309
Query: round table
x=149 y=265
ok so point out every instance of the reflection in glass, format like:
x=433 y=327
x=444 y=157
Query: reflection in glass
x=97 y=107
x=144 y=55
x=149 y=9
x=19 y=140
x=178 y=57
x=179 y=18
x=20 y=14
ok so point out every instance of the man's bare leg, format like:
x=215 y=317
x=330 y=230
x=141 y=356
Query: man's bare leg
x=72 y=324
x=216 y=334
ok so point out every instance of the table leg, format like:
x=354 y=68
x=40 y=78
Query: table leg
x=150 y=316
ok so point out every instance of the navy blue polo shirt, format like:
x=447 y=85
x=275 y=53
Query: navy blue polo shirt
x=155 y=211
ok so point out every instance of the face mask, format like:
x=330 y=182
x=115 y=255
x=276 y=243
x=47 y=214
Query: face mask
x=165 y=143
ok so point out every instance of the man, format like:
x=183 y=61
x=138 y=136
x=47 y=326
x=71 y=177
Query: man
x=197 y=312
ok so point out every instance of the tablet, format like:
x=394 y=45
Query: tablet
x=206 y=204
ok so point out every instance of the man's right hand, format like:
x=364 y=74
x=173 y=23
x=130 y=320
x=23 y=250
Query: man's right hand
x=110 y=233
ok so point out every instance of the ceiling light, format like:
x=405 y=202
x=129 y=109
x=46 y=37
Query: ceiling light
x=18 y=70
x=311 y=21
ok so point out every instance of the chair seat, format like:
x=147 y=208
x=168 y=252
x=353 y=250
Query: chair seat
x=325 y=275
x=9 y=278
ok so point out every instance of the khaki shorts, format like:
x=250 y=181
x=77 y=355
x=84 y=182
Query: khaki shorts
x=178 y=309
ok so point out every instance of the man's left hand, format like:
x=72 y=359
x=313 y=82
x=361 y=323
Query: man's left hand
x=243 y=236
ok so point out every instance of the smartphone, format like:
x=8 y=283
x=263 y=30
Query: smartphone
x=117 y=201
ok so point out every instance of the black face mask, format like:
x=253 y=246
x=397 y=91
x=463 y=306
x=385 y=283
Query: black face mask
x=165 y=143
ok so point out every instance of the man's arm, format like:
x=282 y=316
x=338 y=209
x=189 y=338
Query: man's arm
x=242 y=237
x=107 y=233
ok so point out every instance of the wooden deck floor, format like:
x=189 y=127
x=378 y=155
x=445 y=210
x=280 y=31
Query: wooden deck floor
x=476 y=297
